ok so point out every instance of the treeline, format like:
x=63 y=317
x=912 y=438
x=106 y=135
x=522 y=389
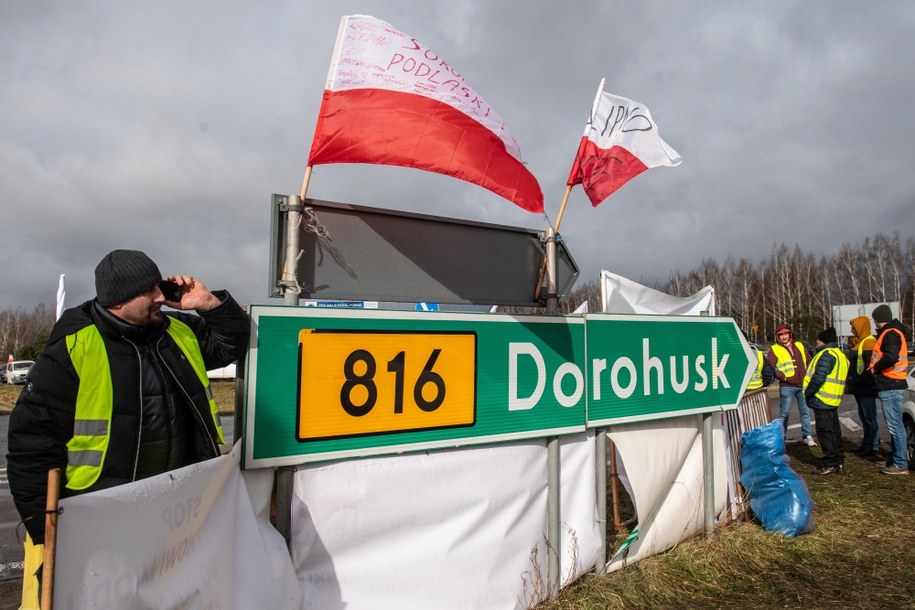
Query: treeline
x=794 y=286
x=23 y=334
x=790 y=286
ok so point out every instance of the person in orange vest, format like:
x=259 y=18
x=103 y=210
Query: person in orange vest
x=789 y=358
x=860 y=384
x=889 y=365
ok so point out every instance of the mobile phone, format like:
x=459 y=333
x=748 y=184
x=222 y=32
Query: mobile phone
x=170 y=290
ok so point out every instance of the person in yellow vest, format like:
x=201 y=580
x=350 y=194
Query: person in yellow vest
x=121 y=392
x=824 y=384
x=789 y=358
x=889 y=365
x=860 y=384
x=763 y=374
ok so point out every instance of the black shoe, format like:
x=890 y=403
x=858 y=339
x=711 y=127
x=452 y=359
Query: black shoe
x=829 y=470
x=865 y=453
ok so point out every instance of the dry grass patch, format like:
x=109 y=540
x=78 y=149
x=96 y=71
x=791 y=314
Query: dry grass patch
x=856 y=557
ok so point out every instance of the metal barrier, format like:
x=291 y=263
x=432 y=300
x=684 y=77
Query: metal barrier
x=751 y=412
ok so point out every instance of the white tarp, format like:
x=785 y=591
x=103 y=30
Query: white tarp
x=660 y=462
x=664 y=476
x=450 y=529
x=621 y=295
x=194 y=538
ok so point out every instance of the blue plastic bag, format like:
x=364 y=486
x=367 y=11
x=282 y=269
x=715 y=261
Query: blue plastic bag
x=778 y=496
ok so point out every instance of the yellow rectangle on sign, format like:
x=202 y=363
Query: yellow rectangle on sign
x=358 y=383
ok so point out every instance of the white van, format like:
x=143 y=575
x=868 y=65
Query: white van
x=17 y=370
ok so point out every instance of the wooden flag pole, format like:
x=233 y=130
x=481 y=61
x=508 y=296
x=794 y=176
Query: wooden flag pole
x=305 y=182
x=50 y=539
x=565 y=198
x=562 y=208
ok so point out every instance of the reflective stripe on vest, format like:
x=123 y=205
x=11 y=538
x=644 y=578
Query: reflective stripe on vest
x=87 y=449
x=185 y=338
x=830 y=393
x=901 y=367
x=785 y=362
x=756 y=381
x=859 y=365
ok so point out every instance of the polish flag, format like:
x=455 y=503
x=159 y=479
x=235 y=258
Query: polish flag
x=621 y=141
x=391 y=100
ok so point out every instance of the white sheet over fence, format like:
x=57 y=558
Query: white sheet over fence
x=664 y=476
x=661 y=461
x=450 y=529
x=198 y=537
x=622 y=295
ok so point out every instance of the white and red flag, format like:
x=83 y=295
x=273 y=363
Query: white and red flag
x=391 y=100
x=621 y=141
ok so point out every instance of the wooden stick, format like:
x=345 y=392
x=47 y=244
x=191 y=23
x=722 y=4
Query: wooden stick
x=305 y=182
x=562 y=208
x=50 y=539
x=614 y=487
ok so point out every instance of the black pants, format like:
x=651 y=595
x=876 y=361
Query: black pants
x=829 y=434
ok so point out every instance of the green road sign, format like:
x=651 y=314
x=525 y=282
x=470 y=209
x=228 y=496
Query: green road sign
x=648 y=367
x=326 y=383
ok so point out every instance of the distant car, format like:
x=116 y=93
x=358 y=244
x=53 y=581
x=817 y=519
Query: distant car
x=908 y=417
x=17 y=371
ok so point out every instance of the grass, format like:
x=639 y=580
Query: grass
x=856 y=557
x=223 y=392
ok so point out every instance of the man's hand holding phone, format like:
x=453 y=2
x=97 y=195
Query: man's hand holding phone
x=185 y=292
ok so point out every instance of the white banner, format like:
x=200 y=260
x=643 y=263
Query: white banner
x=621 y=295
x=198 y=537
x=451 y=529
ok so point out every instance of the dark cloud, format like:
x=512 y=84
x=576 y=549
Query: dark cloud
x=167 y=126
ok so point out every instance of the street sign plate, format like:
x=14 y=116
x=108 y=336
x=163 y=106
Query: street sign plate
x=644 y=367
x=335 y=383
x=353 y=383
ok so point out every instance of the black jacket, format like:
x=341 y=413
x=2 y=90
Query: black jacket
x=161 y=417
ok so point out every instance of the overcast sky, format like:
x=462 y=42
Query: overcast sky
x=166 y=126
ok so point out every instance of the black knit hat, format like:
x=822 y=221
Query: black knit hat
x=122 y=275
x=828 y=335
x=882 y=314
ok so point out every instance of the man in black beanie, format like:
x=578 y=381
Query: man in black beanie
x=889 y=365
x=150 y=408
x=824 y=384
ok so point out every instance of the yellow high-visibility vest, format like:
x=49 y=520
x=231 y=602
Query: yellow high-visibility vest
x=87 y=448
x=830 y=393
x=785 y=362
x=756 y=381
x=859 y=365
